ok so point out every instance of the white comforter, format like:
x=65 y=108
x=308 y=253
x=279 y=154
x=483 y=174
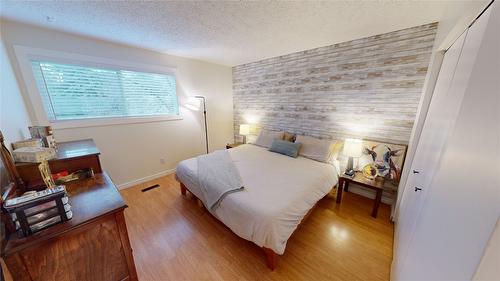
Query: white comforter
x=279 y=191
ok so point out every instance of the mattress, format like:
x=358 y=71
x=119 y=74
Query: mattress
x=278 y=192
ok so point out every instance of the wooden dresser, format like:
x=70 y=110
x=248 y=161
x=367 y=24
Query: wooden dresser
x=93 y=245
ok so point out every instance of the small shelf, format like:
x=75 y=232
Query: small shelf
x=40 y=211
x=50 y=214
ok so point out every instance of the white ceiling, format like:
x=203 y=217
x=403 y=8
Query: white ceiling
x=229 y=33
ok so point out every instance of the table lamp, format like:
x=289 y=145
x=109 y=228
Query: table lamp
x=352 y=148
x=244 y=131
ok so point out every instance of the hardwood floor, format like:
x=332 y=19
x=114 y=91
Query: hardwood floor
x=173 y=239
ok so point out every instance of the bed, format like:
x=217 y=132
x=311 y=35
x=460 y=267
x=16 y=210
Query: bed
x=278 y=193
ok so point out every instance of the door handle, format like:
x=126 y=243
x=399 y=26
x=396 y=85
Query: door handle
x=417 y=189
x=416 y=172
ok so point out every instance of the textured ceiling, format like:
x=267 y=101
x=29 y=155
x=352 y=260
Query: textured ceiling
x=229 y=33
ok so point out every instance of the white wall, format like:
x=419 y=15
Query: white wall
x=14 y=119
x=132 y=151
x=489 y=268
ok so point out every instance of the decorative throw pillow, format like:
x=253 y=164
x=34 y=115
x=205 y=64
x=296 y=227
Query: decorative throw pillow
x=316 y=149
x=285 y=147
x=289 y=137
x=266 y=138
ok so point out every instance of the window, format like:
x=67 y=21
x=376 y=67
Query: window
x=73 y=92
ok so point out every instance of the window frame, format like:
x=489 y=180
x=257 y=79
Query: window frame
x=27 y=54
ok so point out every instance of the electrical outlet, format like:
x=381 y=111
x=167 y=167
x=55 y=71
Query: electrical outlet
x=162 y=161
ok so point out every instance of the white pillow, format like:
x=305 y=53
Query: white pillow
x=266 y=138
x=316 y=149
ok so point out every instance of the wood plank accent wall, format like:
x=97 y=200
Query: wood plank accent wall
x=366 y=88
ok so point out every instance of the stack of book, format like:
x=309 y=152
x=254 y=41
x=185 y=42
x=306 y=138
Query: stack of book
x=41 y=146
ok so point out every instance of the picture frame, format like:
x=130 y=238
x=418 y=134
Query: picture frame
x=383 y=159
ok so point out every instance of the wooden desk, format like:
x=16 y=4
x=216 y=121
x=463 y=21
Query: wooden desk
x=376 y=184
x=93 y=245
x=71 y=156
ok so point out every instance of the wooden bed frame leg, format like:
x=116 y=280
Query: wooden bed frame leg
x=183 y=189
x=200 y=203
x=271 y=258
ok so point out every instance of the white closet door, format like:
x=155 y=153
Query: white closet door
x=453 y=223
x=430 y=143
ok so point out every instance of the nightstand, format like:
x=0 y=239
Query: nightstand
x=233 y=145
x=376 y=184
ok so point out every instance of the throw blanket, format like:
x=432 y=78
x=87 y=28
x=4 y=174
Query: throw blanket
x=217 y=177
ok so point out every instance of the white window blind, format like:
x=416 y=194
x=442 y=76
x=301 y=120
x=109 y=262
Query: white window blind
x=72 y=92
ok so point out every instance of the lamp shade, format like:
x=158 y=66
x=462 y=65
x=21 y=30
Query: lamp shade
x=193 y=103
x=244 y=129
x=352 y=147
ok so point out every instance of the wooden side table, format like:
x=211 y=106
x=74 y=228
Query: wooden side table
x=233 y=145
x=376 y=184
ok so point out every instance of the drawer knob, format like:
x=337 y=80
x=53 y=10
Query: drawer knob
x=417 y=189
